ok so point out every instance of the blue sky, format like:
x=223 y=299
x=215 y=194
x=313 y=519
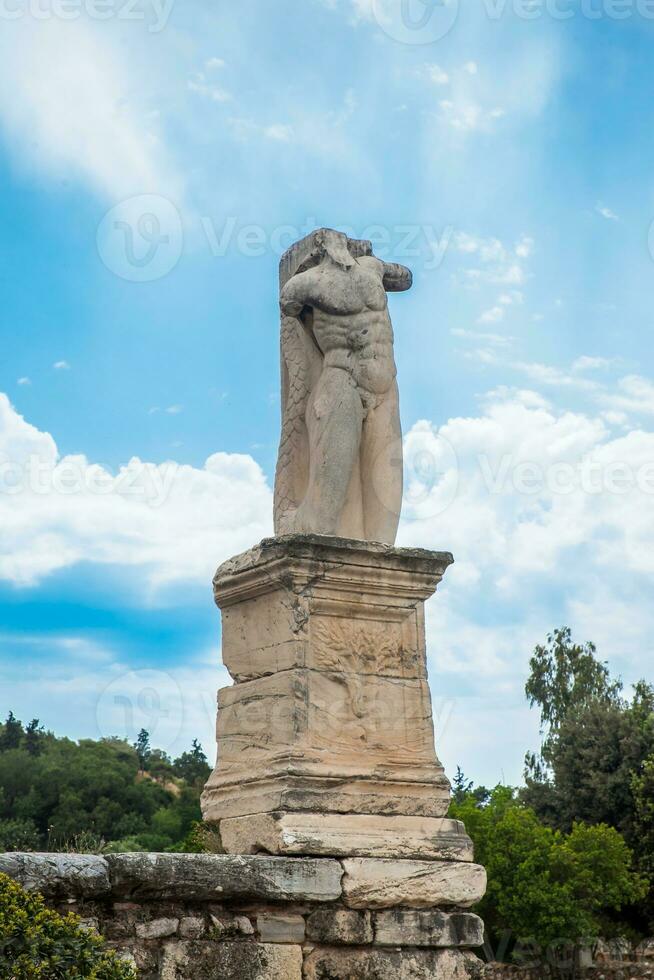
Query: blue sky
x=153 y=164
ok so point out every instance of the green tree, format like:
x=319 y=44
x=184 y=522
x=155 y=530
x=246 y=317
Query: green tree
x=193 y=766
x=143 y=749
x=34 y=737
x=566 y=676
x=643 y=790
x=12 y=733
x=461 y=786
x=595 y=740
x=544 y=886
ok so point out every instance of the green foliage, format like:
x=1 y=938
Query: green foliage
x=193 y=766
x=143 y=749
x=565 y=676
x=57 y=794
x=18 y=835
x=38 y=944
x=545 y=886
x=643 y=790
x=11 y=734
x=593 y=764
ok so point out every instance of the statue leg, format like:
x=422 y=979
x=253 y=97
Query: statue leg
x=381 y=469
x=334 y=422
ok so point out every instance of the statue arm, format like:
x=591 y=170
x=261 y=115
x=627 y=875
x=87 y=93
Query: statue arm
x=397 y=278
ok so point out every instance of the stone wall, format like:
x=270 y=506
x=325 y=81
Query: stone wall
x=226 y=917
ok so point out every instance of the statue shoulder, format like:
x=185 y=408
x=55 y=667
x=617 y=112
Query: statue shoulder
x=297 y=293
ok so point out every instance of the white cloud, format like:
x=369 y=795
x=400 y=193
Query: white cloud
x=524 y=247
x=471 y=67
x=436 y=74
x=498 y=264
x=108 y=693
x=168 y=522
x=208 y=90
x=495 y=339
x=280 y=132
x=634 y=394
x=550 y=518
x=515 y=297
x=69 y=105
x=467 y=116
x=605 y=212
x=586 y=363
x=493 y=315
x=174 y=409
x=61 y=366
x=24 y=381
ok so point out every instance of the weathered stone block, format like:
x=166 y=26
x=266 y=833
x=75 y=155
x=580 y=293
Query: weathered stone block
x=406 y=964
x=226 y=924
x=331 y=724
x=340 y=927
x=350 y=835
x=279 y=928
x=378 y=884
x=58 y=875
x=231 y=961
x=328 y=794
x=206 y=877
x=401 y=927
x=157 y=928
x=192 y=927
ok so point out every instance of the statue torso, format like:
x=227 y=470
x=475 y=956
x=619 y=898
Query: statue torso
x=350 y=321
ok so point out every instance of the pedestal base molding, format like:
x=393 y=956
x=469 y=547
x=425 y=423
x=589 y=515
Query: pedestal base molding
x=347 y=835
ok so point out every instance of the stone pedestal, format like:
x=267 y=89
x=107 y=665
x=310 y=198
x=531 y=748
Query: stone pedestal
x=326 y=754
x=326 y=740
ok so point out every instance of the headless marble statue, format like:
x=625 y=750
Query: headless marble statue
x=339 y=470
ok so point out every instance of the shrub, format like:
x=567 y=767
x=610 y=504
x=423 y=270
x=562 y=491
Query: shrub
x=39 y=944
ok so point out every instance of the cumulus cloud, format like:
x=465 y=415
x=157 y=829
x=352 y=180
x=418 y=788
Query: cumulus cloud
x=495 y=263
x=170 y=522
x=551 y=519
x=606 y=212
x=68 y=104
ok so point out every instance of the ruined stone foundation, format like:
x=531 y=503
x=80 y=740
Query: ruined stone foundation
x=228 y=917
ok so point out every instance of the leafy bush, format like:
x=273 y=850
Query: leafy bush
x=38 y=944
x=545 y=886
